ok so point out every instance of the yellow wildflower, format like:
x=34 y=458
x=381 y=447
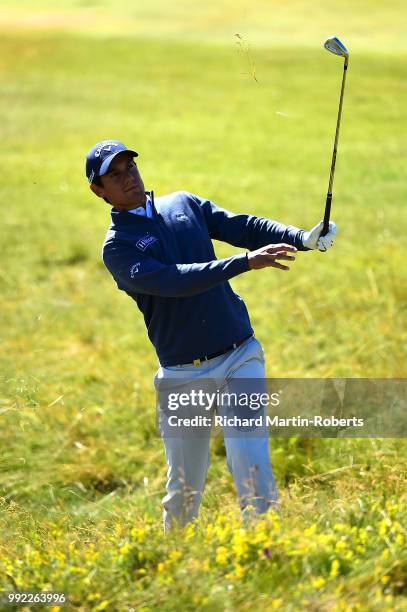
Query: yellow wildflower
x=239 y=571
x=392 y=508
x=138 y=535
x=325 y=538
x=240 y=546
x=175 y=555
x=59 y=556
x=310 y=530
x=335 y=566
x=91 y=554
x=93 y=596
x=118 y=529
x=340 y=546
x=383 y=528
x=221 y=555
x=78 y=570
x=318 y=583
x=189 y=533
x=260 y=537
x=222 y=533
x=125 y=549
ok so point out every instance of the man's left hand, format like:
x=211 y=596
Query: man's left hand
x=313 y=239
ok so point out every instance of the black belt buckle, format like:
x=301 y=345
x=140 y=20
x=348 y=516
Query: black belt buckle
x=197 y=362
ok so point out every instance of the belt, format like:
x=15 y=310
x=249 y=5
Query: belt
x=197 y=362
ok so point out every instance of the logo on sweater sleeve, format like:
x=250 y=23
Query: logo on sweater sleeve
x=146 y=241
x=134 y=269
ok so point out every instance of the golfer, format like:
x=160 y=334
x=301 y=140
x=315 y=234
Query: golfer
x=161 y=254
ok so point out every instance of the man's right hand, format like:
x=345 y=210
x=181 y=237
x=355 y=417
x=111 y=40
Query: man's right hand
x=269 y=256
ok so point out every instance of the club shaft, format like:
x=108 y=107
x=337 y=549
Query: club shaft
x=333 y=162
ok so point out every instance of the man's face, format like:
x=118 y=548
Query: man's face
x=122 y=183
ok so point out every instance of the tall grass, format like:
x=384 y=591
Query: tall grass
x=82 y=467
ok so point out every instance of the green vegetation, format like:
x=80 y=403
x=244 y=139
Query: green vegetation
x=82 y=470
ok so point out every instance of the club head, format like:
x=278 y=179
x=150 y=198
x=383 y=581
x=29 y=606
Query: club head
x=334 y=45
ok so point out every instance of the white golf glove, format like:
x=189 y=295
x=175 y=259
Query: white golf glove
x=313 y=240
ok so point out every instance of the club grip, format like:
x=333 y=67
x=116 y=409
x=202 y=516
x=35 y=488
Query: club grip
x=327 y=214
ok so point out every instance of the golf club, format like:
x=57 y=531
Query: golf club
x=334 y=45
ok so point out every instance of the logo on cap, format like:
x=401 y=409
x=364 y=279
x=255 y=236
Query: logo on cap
x=107 y=146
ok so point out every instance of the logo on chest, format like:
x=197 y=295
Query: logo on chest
x=181 y=217
x=146 y=241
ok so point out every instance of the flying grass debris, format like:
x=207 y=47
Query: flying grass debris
x=244 y=47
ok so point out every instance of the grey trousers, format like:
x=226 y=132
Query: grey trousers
x=187 y=455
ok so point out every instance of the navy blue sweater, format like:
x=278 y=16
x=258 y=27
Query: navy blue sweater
x=167 y=264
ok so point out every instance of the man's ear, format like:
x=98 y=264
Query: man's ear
x=99 y=191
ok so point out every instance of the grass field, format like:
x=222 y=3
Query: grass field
x=82 y=471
